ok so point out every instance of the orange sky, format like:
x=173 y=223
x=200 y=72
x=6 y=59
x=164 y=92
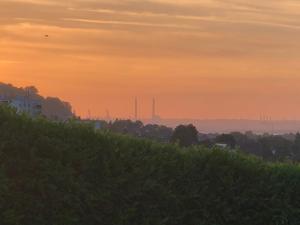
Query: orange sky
x=199 y=58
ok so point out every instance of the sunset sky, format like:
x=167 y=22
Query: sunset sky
x=199 y=58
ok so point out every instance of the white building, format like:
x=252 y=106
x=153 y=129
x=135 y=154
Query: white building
x=24 y=105
x=221 y=145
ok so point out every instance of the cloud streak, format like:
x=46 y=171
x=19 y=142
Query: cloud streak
x=207 y=17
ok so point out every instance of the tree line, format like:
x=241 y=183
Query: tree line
x=267 y=146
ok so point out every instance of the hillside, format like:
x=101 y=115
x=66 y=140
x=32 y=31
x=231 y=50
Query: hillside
x=52 y=107
x=66 y=174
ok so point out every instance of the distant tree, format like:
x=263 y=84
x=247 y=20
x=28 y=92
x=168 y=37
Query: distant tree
x=207 y=143
x=157 y=132
x=56 y=109
x=276 y=148
x=296 y=147
x=185 y=135
x=126 y=127
x=227 y=139
x=31 y=90
x=247 y=142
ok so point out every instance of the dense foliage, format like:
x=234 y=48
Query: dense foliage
x=270 y=147
x=185 y=135
x=267 y=146
x=138 y=129
x=67 y=174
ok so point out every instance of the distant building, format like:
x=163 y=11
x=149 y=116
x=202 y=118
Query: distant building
x=221 y=145
x=23 y=104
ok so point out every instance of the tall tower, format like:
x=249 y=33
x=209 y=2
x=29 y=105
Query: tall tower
x=153 y=108
x=136 y=109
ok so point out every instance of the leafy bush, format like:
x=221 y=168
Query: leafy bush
x=67 y=174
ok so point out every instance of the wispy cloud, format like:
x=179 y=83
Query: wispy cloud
x=131 y=23
x=38 y=2
x=2 y=61
x=230 y=28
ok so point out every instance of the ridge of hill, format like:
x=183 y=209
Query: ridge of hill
x=52 y=107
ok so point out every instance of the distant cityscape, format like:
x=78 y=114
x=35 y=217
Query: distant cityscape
x=29 y=101
x=264 y=123
x=267 y=138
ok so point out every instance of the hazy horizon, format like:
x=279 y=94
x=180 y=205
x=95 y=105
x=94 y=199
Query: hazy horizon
x=204 y=59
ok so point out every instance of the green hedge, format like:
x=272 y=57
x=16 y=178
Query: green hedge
x=67 y=174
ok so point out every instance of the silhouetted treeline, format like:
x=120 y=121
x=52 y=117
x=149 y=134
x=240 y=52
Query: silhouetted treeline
x=52 y=107
x=267 y=146
x=67 y=173
x=137 y=129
